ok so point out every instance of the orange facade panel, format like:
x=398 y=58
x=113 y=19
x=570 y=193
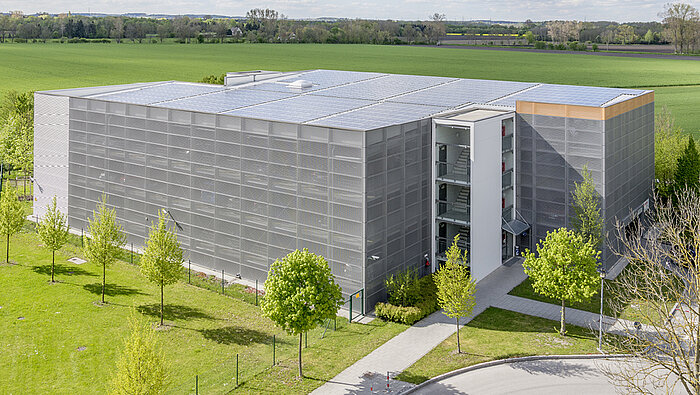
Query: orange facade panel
x=583 y=112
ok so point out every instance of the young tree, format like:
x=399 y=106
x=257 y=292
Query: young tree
x=564 y=269
x=455 y=286
x=141 y=369
x=668 y=145
x=105 y=239
x=663 y=280
x=53 y=231
x=681 y=22
x=161 y=262
x=688 y=168
x=300 y=293
x=587 y=219
x=11 y=216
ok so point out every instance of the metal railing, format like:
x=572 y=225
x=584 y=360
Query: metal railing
x=507 y=144
x=507 y=179
x=449 y=172
x=360 y=294
x=453 y=212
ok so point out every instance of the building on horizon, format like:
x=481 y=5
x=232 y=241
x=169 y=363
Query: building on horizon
x=376 y=172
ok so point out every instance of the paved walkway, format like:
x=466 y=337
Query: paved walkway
x=406 y=348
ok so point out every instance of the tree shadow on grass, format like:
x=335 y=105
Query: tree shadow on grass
x=236 y=335
x=174 y=312
x=112 y=290
x=61 y=270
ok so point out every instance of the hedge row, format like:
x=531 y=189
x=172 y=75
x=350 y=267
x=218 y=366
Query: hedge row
x=426 y=304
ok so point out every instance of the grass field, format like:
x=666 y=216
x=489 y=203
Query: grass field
x=54 y=339
x=54 y=66
x=498 y=334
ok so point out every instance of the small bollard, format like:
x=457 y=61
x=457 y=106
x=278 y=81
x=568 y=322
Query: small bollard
x=273 y=350
x=132 y=253
x=81 y=238
x=236 y=370
x=189 y=271
x=387 y=380
x=306 y=339
x=256 y=292
x=196 y=384
x=222 y=282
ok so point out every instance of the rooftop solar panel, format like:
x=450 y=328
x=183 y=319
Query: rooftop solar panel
x=159 y=93
x=301 y=108
x=567 y=94
x=463 y=91
x=321 y=79
x=384 y=87
x=225 y=100
x=378 y=115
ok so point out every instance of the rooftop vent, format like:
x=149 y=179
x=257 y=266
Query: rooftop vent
x=242 y=77
x=300 y=84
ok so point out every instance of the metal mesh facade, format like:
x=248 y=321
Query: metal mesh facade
x=552 y=151
x=398 y=202
x=245 y=191
x=51 y=152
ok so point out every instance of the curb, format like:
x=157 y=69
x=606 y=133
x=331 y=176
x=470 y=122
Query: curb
x=509 y=360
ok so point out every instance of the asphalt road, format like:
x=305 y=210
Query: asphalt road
x=563 y=376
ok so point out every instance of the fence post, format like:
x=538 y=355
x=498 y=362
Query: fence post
x=81 y=238
x=362 y=306
x=350 y=313
x=132 y=253
x=273 y=350
x=236 y=370
x=222 y=281
x=256 y=292
x=335 y=323
x=189 y=271
x=196 y=384
x=306 y=339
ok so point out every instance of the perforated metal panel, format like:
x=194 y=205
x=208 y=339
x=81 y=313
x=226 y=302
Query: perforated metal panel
x=51 y=141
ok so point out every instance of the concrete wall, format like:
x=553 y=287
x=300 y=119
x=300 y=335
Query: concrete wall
x=486 y=211
x=398 y=169
x=50 y=152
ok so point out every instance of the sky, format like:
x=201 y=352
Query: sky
x=584 y=10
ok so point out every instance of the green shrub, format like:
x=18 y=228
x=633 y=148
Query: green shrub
x=595 y=47
x=213 y=79
x=401 y=288
x=540 y=45
x=422 y=293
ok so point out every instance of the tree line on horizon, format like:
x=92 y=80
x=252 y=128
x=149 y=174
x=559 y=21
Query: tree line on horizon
x=680 y=26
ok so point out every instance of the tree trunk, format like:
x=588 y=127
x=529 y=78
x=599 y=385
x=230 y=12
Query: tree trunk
x=562 y=331
x=161 y=304
x=7 y=250
x=459 y=349
x=104 y=281
x=300 y=336
x=53 y=261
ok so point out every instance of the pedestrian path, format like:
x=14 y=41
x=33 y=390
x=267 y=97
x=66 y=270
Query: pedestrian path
x=576 y=317
x=406 y=348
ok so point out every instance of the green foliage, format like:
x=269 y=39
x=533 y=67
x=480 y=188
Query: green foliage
x=687 y=173
x=402 y=288
x=213 y=79
x=424 y=294
x=11 y=216
x=53 y=231
x=564 y=268
x=105 y=239
x=300 y=293
x=455 y=286
x=540 y=45
x=587 y=219
x=17 y=130
x=141 y=368
x=161 y=262
x=668 y=146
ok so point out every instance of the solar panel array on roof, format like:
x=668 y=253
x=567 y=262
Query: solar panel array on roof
x=567 y=94
x=225 y=100
x=463 y=91
x=321 y=79
x=301 y=108
x=159 y=93
x=385 y=87
x=379 y=115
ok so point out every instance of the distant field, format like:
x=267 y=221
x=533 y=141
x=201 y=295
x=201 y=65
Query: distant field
x=53 y=66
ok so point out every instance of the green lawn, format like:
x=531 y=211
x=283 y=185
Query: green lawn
x=66 y=344
x=498 y=334
x=53 y=66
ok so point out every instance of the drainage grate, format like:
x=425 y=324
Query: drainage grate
x=77 y=260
